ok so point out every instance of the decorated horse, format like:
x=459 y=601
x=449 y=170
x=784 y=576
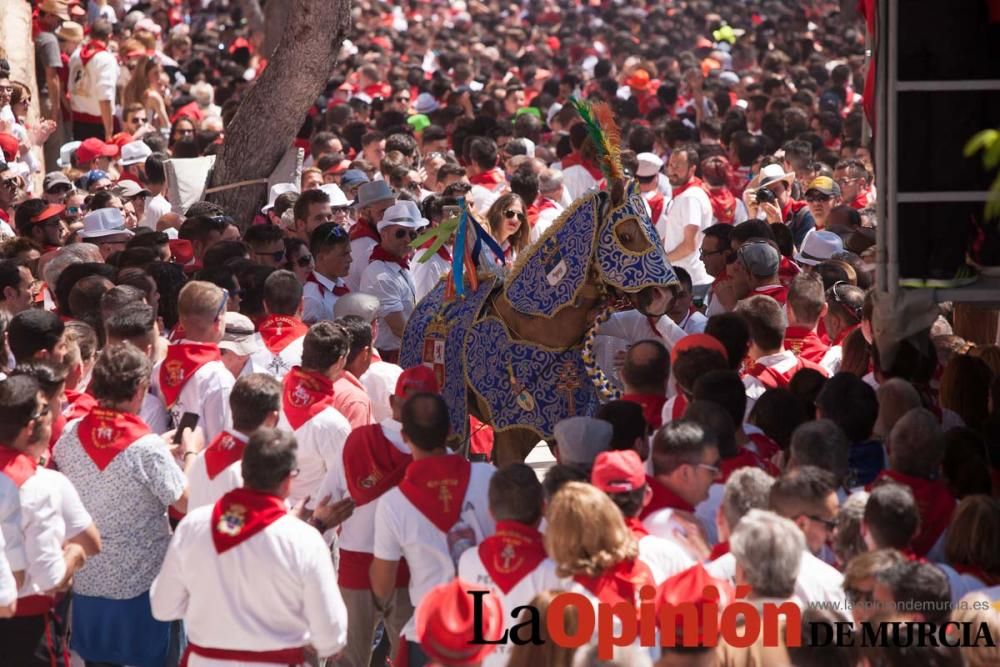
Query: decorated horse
x=515 y=348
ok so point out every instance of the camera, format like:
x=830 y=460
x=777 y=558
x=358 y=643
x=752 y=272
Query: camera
x=765 y=196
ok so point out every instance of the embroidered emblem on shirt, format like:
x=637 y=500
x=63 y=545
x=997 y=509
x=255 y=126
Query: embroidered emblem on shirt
x=175 y=373
x=232 y=521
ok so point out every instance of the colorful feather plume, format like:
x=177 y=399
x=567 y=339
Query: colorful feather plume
x=605 y=134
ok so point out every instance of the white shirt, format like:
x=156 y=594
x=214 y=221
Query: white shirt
x=90 y=85
x=206 y=393
x=156 y=207
x=276 y=590
x=691 y=208
x=706 y=509
x=8 y=585
x=632 y=327
x=665 y=558
x=426 y=275
x=693 y=323
x=204 y=491
x=361 y=252
x=545 y=219
x=542 y=578
x=402 y=531
x=819 y=582
x=781 y=362
x=577 y=180
x=832 y=359
x=277 y=365
x=393 y=285
x=44 y=532
x=10 y=525
x=318 y=299
x=321 y=448
x=380 y=383
x=154 y=413
x=663 y=525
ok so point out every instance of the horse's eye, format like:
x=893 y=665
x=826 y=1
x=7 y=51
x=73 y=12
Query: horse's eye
x=626 y=237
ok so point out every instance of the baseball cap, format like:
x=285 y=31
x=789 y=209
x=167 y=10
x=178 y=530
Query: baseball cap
x=825 y=186
x=415 y=380
x=581 y=439
x=639 y=80
x=10 y=146
x=240 y=336
x=66 y=152
x=688 y=588
x=649 y=164
x=135 y=152
x=50 y=211
x=419 y=122
x=93 y=148
x=701 y=340
x=129 y=189
x=448 y=621
x=53 y=179
x=353 y=177
x=618 y=471
x=759 y=257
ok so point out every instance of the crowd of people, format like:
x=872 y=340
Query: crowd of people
x=210 y=456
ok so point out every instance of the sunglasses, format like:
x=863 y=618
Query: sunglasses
x=222 y=305
x=646 y=179
x=277 y=255
x=812 y=199
x=304 y=261
x=832 y=292
x=511 y=213
x=827 y=523
x=401 y=233
x=336 y=233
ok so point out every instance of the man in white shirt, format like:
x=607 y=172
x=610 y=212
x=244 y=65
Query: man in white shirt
x=288 y=596
x=388 y=276
x=746 y=489
x=136 y=323
x=156 y=182
x=439 y=510
x=373 y=199
x=93 y=78
x=549 y=203
x=192 y=377
x=688 y=215
x=845 y=304
x=255 y=402
x=512 y=563
x=683 y=312
x=281 y=330
x=331 y=248
x=307 y=407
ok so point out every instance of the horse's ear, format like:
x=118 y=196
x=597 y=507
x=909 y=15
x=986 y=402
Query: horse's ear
x=617 y=188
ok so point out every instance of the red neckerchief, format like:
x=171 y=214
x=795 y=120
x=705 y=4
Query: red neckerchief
x=694 y=182
x=380 y=254
x=718 y=551
x=575 y=159
x=935 y=503
x=844 y=333
x=512 y=553
x=91 y=49
x=723 y=203
x=442 y=252
x=787 y=270
x=791 y=208
x=652 y=407
x=79 y=403
x=805 y=343
x=225 y=450
x=16 y=466
x=372 y=463
x=489 y=179
x=620 y=583
x=105 y=434
x=182 y=362
x=679 y=407
x=241 y=514
x=436 y=486
x=277 y=331
x=656 y=203
x=773 y=379
x=338 y=290
x=362 y=230
x=636 y=526
x=304 y=394
x=777 y=292
x=861 y=201
x=663 y=498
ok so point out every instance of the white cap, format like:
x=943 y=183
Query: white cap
x=405 y=214
x=363 y=305
x=135 y=152
x=649 y=164
x=240 y=336
x=66 y=153
x=104 y=222
x=277 y=190
x=818 y=246
x=337 y=197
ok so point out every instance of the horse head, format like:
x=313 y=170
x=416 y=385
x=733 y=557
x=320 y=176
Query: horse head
x=629 y=255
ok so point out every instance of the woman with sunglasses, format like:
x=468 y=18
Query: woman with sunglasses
x=508 y=225
x=298 y=259
x=143 y=88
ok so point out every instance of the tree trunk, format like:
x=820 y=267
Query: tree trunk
x=273 y=110
x=253 y=14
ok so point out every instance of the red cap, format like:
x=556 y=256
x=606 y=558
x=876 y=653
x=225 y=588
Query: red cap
x=182 y=250
x=445 y=629
x=688 y=587
x=415 y=380
x=639 y=80
x=93 y=148
x=10 y=146
x=618 y=471
x=692 y=341
x=121 y=139
x=553 y=43
x=50 y=211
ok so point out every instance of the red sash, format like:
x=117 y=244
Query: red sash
x=663 y=498
x=91 y=49
x=694 y=182
x=15 y=465
x=182 y=362
x=489 y=179
x=225 y=450
x=656 y=203
x=777 y=292
x=718 y=551
x=766 y=449
x=278 y=331
x=372 y=463
x=511 y=554
x=935 y=503
x=304 y=394
x=380 y=254
x=620 y=583
x=241 y=514
x=805 y=343
x=436 y=486
x=636 y=526
x=105 y=434
x=287 y=656
x=787 y=270
x=861 y=201
x=80 y=404
x=574 y=159
x=362 y=230
x=652 y=407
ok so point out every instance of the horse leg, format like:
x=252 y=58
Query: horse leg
x=513 y=446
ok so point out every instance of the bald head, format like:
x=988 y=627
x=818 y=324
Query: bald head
x=915 y=444
x=646 y=369
x=896 y=397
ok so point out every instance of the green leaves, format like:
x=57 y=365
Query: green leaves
x=988 y=142
x=439 y=235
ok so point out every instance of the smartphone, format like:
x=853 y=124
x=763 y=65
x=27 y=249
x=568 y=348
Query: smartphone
x=188 y=420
